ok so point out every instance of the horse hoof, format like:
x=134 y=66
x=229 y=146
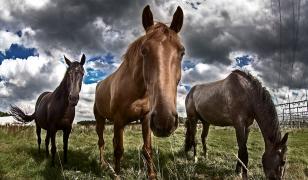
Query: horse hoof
x=117 y=177
x=245 y=177
x=152 y=176
x=103 y=165
x=238 y=171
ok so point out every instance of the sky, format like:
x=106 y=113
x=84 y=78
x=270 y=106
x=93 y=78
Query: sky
x=219 y=36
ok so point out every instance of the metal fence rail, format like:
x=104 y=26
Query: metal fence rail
x=293 y=114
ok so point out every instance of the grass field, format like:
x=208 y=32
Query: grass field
x=19 y=157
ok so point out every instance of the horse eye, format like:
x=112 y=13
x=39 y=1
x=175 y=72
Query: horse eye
x=144 y=51
x=283 y=163
x=183 y=53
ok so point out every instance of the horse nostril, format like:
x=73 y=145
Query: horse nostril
x=153 y=114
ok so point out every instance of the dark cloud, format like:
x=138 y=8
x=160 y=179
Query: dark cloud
x=210 y=34
x=216 y=35
x=70 y=25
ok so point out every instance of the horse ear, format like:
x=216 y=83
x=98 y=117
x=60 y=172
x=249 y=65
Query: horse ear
x=147 y=18
x=68 y=62
x=177 y=21
x=83 y=59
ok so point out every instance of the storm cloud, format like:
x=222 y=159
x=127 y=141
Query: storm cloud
x=214 y=34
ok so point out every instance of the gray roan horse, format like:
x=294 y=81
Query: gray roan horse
x=236 y=101
x=56 y=110
x=143 y=87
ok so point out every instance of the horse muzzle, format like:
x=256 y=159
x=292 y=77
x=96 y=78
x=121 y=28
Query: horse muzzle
x=165 y=125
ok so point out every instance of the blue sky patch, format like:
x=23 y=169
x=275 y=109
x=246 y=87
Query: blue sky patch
x=243 y=61
x=187 y=64
x=93 y=76
x=17 y=51
x=187 y=87
x=19 y=33
x=108 y=58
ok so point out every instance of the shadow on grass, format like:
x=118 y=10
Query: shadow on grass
x=203 y=168
x=175 y=165
x=306 y=172
x=78 y=162
x=1 y=173
x=170 y=164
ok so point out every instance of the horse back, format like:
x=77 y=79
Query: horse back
x=41 y=109
x=221 y=102
x=40 y=98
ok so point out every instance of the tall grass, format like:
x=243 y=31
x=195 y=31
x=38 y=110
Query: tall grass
x=20 y=159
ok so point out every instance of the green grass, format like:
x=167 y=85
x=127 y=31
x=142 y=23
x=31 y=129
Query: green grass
x=19 y=157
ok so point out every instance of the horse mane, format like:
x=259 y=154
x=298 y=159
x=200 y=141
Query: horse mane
x=62 y=88
x=156 y=31
x=263 y=105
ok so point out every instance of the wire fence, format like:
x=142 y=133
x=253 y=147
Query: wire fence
x=293 y=114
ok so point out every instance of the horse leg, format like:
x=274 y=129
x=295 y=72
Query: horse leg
x=53 y=146
x=38 y=133
x=204 y=134
x=66 y=134
x=118 y=146
x=147 y=147
x=47 y=142
x=241 y=136
x=191 y=125
x=193 y=136
x=100 y=127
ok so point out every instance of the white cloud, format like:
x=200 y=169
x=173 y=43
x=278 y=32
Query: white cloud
x=23 y=80
x=36 y=4
x=84 y=109
x=5 y=13
x=6 y=39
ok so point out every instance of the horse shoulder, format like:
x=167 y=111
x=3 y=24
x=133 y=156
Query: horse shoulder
x=102 y=96
x=140 y=107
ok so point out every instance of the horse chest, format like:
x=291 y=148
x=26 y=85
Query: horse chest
x=68 y=116
x=139 y=108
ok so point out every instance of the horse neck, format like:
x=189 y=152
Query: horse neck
x=61 y=92
x=266 y=117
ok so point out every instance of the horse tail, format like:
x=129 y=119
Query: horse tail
x=20 y=116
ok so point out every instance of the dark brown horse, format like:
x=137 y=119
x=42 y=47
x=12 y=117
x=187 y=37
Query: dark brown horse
x=143 y=87
x=56 y=110
x=236 y=101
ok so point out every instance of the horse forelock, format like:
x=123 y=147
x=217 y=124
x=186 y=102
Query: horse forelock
x=159 y=31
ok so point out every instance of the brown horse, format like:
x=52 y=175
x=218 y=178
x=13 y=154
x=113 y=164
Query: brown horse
x=56 y=110
x=236 y=101
x=143 y=87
